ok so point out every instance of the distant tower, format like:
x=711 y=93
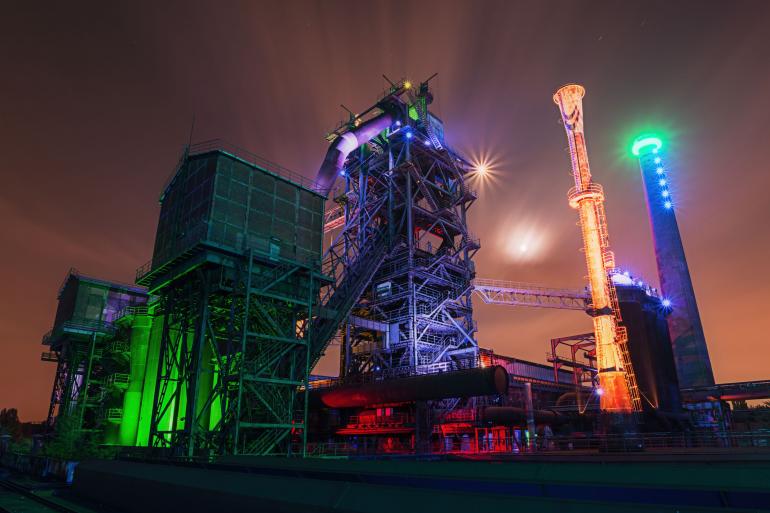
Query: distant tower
x=693 y=365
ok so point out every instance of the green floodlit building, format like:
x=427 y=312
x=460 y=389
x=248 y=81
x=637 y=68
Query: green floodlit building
x=214 y=357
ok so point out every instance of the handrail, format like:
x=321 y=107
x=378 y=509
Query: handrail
x=252 y=158
x=529 y=287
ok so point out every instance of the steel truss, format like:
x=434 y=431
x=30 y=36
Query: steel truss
x=80 y=383
x=500 y=292
x=234 y=359
x=406 y=195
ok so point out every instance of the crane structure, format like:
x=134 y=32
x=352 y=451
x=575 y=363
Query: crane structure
x=617 y=383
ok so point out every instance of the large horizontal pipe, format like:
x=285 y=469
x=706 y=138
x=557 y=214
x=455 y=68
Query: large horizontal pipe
x=461 y=383
x=514 y=415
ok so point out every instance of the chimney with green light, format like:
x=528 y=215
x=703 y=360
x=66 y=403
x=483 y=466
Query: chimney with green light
x=693 y=364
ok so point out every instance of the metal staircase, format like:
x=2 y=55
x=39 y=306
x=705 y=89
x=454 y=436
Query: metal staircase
x=349 y=282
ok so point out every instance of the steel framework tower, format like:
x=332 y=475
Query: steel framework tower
x=616 y=377
x=236 y=267
x=405 y=192
x=90 y=368
x=691 y=354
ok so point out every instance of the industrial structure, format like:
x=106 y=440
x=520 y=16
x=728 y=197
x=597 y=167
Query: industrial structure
x=92 y=365
x=211 y=353
x=690 y=351
x=617 y=383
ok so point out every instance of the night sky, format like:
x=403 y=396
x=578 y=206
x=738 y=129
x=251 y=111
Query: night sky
x=97 y=99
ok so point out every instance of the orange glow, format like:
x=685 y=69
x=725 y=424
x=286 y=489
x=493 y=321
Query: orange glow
x=616 y=379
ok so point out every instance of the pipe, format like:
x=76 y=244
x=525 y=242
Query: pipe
x=341 y=147
x=583 y=398
x=462 y=383
x=515 y=415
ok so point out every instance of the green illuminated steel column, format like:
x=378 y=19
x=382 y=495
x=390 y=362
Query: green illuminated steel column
x=150 y=377
x=140 y=337
x=693 y=365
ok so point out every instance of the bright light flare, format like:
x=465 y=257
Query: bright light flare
x=484 y=170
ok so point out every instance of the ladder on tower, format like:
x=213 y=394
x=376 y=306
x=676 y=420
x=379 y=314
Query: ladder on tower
x=621 y=339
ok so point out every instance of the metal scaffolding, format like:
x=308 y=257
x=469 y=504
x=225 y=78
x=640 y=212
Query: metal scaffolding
x=88 y=367
x=236 y=302
x=405 y=194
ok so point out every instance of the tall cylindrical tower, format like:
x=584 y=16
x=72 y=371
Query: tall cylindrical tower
x=691 y=355
x=618 y=390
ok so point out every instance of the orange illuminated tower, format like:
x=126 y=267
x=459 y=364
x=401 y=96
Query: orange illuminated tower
x=617 y=385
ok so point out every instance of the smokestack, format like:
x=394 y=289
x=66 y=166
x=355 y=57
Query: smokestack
x=693 y=366
x=617 y=384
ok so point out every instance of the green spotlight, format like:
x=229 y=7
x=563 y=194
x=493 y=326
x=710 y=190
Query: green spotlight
x=646 y=141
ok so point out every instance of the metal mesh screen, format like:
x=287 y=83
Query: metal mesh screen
x=219 y=198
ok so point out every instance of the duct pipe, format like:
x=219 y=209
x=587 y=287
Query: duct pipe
x=461 y=383
x=580 y=399
x=341 y=147
x=507 y=415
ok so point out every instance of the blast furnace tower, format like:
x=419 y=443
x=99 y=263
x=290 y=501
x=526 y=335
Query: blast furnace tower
x=404 y=194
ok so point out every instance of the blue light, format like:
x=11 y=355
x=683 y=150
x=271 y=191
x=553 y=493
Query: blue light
x=342 y=173
x=659 y=170
x=640 y=283
x=626 y=274
x=398 y=123
x=667 y=204
x=409 y=135
x=427 y=142
x=664 y=194
x=662 y=182
x=666 y=303
x=657 y=160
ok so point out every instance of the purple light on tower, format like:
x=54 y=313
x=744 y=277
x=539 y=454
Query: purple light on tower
x=693 y=365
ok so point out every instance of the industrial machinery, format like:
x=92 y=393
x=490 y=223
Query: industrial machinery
x=693 y=364
x=400 y=228
x=212 y=352
x=405 y=199
x=616 y=376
